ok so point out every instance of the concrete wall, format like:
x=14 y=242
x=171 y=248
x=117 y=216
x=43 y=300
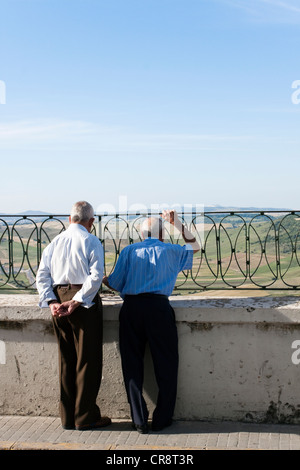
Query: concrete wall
x=238 y=359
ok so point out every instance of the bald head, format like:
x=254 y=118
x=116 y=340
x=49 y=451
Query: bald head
x=152 y=227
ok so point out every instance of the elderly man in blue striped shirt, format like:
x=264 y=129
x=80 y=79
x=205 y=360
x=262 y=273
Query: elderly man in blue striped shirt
x=145 y=276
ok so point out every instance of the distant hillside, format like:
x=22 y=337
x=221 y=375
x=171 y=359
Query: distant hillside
x=209 y=208
x=13 y=218
x=217 y=208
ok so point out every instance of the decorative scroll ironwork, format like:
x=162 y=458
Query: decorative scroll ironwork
x=238 y=250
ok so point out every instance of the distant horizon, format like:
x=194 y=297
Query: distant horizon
x=207 y=208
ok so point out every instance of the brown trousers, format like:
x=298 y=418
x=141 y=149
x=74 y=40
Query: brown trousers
x=79 y=338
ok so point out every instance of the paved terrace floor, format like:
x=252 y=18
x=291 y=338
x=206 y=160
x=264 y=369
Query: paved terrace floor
x=46 y=433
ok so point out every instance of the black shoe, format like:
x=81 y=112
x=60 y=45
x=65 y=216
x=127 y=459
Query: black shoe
x=141 y=428
x=159 y=427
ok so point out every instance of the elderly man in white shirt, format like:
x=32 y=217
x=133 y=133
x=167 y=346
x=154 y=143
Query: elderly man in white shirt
x=68 y=281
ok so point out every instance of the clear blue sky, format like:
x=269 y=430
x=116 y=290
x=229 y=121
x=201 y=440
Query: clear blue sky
x=161 y=101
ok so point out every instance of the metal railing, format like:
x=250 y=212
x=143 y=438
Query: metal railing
x=239 y=250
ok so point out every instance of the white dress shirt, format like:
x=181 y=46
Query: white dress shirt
x=75 y=256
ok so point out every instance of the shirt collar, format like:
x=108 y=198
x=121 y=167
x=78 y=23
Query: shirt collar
x=73 y=226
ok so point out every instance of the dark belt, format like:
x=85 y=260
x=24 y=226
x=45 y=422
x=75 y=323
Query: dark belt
x=70 y=285
x=148 y=294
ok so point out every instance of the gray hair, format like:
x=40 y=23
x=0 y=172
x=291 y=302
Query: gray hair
x=81 y=211
x=152 y=227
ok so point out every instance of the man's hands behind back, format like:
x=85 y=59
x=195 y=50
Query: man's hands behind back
x=64 y=309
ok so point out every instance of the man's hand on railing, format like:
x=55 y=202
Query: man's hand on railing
x=171 y=216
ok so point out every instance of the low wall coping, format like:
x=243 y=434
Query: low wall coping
x=286 y=309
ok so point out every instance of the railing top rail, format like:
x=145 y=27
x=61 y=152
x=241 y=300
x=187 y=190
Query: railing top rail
x=229 y=211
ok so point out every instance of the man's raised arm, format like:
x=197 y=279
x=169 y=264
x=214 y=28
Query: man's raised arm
x=171 y=216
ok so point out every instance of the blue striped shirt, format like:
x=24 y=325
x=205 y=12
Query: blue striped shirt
x=150 y=266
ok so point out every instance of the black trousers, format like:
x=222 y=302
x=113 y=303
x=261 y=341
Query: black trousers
x=149 y=318
x=79 y=338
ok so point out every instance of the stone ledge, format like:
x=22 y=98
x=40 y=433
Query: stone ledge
x=282 y=310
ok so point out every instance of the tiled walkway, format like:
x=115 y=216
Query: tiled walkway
x=42 y=433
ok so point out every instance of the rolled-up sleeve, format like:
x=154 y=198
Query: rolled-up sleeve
x=186 y=260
